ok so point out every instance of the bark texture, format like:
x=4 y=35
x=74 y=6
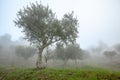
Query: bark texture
x=39 y=59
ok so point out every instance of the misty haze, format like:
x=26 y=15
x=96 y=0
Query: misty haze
x=42 y=40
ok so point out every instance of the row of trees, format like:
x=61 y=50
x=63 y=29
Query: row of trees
x=24 y=52
x=103 y=50
x=66 y=53
x=61 y=52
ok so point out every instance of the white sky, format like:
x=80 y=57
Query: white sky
x=99 y=20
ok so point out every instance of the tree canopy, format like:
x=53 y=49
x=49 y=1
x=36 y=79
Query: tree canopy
x=42 y=27
x=69 y=52
x=110 y=54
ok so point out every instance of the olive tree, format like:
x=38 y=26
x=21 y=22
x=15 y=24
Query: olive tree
x=42 y=28
x=25 y=51
x=72 y=52
x=110 y=54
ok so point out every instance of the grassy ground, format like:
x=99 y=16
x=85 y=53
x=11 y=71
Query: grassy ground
x=86 y=73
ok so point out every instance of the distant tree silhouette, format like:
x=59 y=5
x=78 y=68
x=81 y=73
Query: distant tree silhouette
x=110 y=54
x=25 y=51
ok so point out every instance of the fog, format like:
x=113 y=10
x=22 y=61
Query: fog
x=98 y=19
x=8 y=55
x=98 y=42
x=71 y=56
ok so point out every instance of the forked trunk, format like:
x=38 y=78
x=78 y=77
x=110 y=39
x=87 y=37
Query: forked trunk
x=39 y=59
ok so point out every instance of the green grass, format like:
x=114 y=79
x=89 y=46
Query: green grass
x=85 y=73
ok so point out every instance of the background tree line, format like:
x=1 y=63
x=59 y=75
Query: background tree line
x=17 y=52
x=66 y=53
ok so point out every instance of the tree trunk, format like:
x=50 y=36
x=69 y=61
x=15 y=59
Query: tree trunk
x=39 y=59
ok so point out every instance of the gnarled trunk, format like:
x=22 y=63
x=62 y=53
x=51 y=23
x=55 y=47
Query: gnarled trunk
x=39 y=59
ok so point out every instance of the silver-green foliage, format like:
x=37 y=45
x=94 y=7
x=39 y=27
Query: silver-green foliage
x=42 y=27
